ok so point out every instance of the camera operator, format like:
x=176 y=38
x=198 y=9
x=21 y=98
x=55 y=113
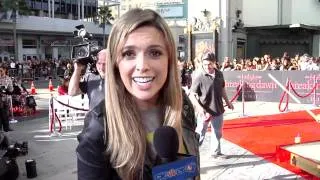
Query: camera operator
x=5 y=89
x=91 y=83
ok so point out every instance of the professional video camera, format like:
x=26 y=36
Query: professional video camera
x=85 y=52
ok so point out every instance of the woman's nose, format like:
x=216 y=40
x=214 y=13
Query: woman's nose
x=142 y=63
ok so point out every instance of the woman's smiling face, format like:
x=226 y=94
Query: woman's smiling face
x=143 y=64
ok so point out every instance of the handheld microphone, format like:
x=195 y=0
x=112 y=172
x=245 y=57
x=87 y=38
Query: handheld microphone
x=166 y=143
x=174 y=165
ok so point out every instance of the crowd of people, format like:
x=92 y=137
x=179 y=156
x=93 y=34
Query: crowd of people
x=285 y=63
x=304 y=62
x=35 y=68
x=40 y=69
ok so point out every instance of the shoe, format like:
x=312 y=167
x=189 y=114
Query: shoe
x=219 y=155
x=200 y=138
x=9 y=129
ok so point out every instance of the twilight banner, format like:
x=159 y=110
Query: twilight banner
x=259 y=87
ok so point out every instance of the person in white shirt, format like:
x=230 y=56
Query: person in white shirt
x=5 y=88
x=12 y=64
x=303 y=63
x=312 y=66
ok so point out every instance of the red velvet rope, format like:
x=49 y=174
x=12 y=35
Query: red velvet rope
x=236 y=95
x=59 y=121
x=76 y=108
x=53 y=117
x=284 y=93
x=296 y=93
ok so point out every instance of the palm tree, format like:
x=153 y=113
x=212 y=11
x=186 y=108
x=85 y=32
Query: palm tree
x=18 y=7
x=105 y=18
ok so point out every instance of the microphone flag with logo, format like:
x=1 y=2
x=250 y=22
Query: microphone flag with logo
x=174 y=165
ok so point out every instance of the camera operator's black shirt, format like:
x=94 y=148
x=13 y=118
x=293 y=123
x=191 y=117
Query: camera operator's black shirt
x=93 y=86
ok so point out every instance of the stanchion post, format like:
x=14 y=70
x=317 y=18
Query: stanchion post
x=53 y=124
x=53 y=117
x=242 y=94
x=50 y=112
x=289 y=85
x=12 y=120
x=315 y=91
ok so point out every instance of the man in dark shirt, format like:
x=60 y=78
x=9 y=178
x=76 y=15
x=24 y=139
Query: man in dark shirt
x=92 y=84
x=207 y=92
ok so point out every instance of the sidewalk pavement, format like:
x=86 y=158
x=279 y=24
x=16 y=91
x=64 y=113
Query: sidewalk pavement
x=56 y=159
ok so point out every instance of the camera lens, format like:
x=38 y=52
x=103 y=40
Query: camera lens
x=81 y=51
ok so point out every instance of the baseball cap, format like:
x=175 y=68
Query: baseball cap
x=306 y=55
x=209 y=56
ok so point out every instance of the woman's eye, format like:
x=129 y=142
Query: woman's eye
x=155 y=53
x=128 y=54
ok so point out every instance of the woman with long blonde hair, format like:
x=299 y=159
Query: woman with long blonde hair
x=143 y=93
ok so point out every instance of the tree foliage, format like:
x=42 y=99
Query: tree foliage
x=105 y=15
x=19 y=6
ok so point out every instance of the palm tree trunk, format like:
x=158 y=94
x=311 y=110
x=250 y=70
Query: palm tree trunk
x=15 y=37
x=104 y=36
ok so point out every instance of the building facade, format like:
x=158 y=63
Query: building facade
x=277 y=26
x=248 y=28
x=48 y=32
x=234 y=28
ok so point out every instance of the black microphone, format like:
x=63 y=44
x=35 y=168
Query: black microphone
x=174 y=165
x=166 y=143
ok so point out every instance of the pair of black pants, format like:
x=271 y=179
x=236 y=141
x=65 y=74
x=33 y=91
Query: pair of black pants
x=4 y=117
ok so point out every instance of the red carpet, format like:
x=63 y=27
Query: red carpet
x=262 y=134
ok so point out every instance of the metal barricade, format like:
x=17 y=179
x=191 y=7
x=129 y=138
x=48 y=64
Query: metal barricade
x=13 y=72
x=60 y=72
x=28 y=75
x=37 y=73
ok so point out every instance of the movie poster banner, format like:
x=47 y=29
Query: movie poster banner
x=305 y=85
x=202 y=43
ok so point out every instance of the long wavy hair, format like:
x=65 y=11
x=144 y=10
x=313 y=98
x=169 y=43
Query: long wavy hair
x=126 y=136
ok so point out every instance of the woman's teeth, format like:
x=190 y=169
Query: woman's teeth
x=143 y=79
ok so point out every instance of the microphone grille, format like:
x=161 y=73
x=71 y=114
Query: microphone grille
x=166 y=142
